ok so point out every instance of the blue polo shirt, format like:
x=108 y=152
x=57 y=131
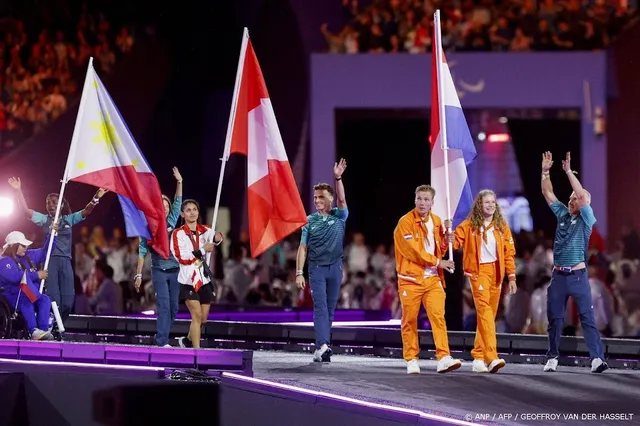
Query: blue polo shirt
x=572 y=234
x=324 y=236
x=64 y=240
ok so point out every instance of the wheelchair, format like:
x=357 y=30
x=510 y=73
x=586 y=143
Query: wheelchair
x=12 y=325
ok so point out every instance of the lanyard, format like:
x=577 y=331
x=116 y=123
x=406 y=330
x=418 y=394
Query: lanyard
x=196 y=242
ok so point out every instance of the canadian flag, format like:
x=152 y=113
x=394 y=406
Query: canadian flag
x=275 y=206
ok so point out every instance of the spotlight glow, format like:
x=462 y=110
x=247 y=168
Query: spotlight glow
x=6 y=206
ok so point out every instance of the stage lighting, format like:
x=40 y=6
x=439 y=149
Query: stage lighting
x=6 y=206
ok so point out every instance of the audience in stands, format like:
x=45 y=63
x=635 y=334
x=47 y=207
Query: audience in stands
x=379 y=26
x=41 y=75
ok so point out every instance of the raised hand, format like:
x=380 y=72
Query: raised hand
x=547 y=161
x=176 y=174
x=339 y=168
x=15 y=183
x=566 y=163
x=101 y=192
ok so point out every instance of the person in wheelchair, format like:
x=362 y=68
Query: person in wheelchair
x=19 y=277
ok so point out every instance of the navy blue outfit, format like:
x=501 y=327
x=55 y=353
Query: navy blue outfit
x=34 y=306
x=60 y=282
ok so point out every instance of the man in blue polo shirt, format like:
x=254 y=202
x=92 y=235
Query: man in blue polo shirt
x=322 y=242
x=569 y=276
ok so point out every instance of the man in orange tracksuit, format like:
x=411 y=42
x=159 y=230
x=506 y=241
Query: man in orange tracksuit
x=488 y=249
x=419 y=246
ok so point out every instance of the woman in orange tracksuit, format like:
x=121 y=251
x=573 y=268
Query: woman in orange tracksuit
x=488 y=251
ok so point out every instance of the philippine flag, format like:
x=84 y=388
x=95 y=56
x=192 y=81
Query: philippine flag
x=275 y=206
x=457 y=137
x=104 y=154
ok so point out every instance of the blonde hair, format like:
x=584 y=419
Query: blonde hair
x=476 y=217
x=426 y=188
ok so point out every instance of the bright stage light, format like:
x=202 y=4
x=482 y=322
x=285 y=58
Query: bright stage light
x=6 y=206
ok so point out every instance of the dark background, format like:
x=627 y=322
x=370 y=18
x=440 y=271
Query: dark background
x=389 y=157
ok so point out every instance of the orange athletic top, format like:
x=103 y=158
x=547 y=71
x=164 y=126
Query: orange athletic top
x=469 y=240
x=411 y=257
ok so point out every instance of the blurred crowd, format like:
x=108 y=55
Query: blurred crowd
x=379 y=26
x=105 y=266
x=42 y=67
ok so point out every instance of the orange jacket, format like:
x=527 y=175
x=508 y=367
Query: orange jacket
x=411 y=257
x=470 y=241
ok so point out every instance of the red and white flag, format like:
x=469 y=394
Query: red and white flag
x=24 y=287
x=275 y=206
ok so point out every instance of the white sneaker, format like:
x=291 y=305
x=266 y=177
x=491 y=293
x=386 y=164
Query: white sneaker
x=447 y=364
x=551 y=365
x=40 y=335
x=496 y=365
x=167 y=346
x=598 y=365
x=479 y=366
x=413 y=367
x=317 y=355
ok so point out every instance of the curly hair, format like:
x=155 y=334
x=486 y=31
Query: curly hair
x=476 y=217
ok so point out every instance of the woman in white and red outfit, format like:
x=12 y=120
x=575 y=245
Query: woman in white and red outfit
x=191 y=244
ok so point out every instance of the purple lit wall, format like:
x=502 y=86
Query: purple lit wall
x=485 y=80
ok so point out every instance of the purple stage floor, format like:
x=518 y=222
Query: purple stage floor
x=570 y=396
x=65 y=394
x=100 y=353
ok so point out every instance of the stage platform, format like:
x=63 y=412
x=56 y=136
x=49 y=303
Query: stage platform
x=517 y=395
x=47 y=393
x=288 y=388
x=379 y=338
x=239 y=361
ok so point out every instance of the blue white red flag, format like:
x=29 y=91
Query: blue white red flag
x=461 y=149
x=104 y=154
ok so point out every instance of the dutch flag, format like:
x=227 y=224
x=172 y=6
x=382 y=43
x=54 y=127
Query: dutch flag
x=448 y=129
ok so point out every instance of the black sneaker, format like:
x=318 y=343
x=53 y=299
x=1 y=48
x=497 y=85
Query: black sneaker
x=598 y=365
x=326 y=356
x=322 y=354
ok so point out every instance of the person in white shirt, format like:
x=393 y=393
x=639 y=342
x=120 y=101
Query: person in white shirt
x=191 y=245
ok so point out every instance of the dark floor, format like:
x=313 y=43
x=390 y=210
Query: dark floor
x=570 y=396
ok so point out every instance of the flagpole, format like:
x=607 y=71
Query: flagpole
x=72 y=149
x=74 y=140
x=232 y=115
x=443 y=121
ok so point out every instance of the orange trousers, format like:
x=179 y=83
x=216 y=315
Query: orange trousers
x=429 y=293
x=486 y=296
